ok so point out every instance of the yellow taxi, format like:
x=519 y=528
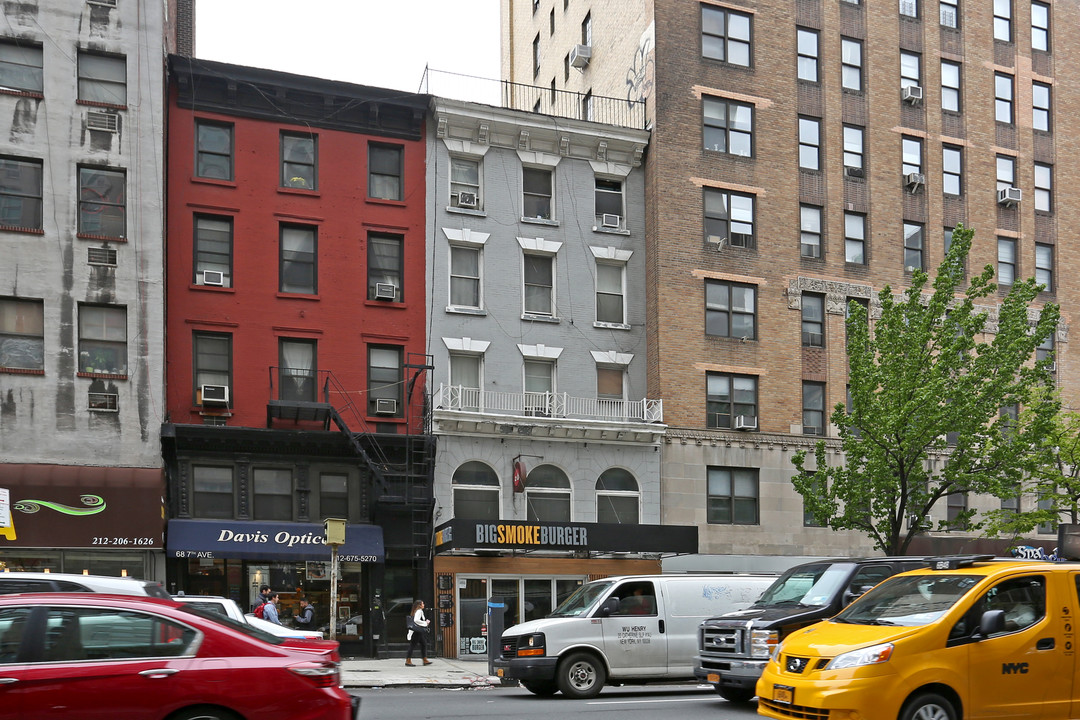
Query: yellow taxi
x=966 y=638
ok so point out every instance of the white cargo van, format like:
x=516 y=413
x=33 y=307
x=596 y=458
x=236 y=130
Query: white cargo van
x=621 y=630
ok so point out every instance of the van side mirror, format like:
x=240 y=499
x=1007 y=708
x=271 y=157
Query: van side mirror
x=992 y=622
x=610 y=607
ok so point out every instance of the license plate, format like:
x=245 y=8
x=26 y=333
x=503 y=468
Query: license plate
x=783 y=694
x=499 y=672
x=713 y=678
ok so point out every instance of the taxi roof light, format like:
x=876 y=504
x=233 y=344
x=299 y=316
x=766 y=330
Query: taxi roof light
x=952 y=562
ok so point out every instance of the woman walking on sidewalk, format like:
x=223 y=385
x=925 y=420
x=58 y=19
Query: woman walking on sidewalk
x=417 y=634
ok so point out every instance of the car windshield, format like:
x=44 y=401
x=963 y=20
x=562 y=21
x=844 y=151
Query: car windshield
x=807 y=585
x=582 y=600
x=229 y=622
x=910 y=600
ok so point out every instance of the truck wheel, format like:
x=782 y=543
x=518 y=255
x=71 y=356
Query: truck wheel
x=543 y=688
x=928 y=706
x=735 y=694
x=581 y=676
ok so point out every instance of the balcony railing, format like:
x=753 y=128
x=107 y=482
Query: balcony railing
x=546 y=404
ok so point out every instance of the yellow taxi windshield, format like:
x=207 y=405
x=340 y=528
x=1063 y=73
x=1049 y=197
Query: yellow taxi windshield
x=908 y=600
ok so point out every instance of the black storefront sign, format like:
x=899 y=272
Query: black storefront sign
x=255 y=540
x=582 y=537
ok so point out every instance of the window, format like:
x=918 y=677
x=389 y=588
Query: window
x=333 y=495
x=385 y=265
x=1003 y=97
x=729 y=126
x=1003 y=20
x=586 y=29
x=1046 y=528
x=539 y=379
x=947 y=245
x=732 y=496
x=1006 y=172
x=807 y=42
x=911 y=149
x=956 y=505
x=587 y=106
x=22 y=334
x=813 y=320
x=952 y=179
x=20 y=67
x=810 y=143
x=384 y=381
x=910 y=69
x=273 y=493
x=298 y=259
x=853 y=147
x=813 y=408
x=851 y=64
x=465 y=371
x=948 y=13
x=1044 y=266
x=536 y=56
x=1040 y=106
x=810 y=231
x=855 y=238
x=730 y=309
x=808 y=517
x=547 y=497
x=1040 y=26
x=1043 y=189
x=551 y=22
x=212 y=356
x=102 y=339
x=20 y=193
x=728 y=397
x=385 y=172
x=729 y=218
x=950 y=86
x=297 y=373
x=212 y=488
x=913 y=247
x=465 y=178
x=213 y=250
x=909 y=8
x=102 y=79
x=1006 y=261
x=609 y=203
x=476 y=492
x=299 y=157
x=610 y=384
x=102 y=202
x=464 y=276
x=566 y=67
x=536 y=188
x=617 y=497
x=1045 y=350
x=213 y=150
x=610 y=293
x=725 y=35
x=539 y=284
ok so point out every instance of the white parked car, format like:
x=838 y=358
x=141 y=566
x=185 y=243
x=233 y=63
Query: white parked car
x=229 y=608
x=34 y=582
x=282 y=630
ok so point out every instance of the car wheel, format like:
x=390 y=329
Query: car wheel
x=928 y=706
x=735 y=694
x=581 y=675
x=205 y=712
x=544 y=688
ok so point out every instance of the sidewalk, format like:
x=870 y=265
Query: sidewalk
x=442 y=672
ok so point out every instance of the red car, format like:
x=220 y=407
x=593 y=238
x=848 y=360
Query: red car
x=94 y=656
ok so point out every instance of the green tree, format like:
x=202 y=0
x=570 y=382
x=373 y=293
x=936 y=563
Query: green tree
x=935 y=376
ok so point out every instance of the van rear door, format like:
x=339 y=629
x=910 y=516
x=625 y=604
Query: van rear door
x=635 y=638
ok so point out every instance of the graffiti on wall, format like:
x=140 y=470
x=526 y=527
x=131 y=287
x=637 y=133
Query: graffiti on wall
x=641 y=73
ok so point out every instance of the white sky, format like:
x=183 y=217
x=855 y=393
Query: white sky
x=382 y=43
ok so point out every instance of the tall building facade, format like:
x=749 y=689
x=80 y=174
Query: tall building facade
x=805 y=155
x=297 y=369
x=81 y=287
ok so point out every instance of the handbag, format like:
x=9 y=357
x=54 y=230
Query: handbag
x=410 y=622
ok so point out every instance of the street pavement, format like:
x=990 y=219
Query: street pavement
x=442 y=672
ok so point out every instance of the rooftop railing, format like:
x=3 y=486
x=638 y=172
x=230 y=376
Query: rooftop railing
x=547 y=405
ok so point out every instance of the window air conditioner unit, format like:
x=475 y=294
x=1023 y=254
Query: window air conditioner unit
x=911 y=268
x=214 y=394
x=213 y=277
x=580 y=56
x=609 y=220
x=813 y=339
x=385 y=291
x=466 y=199
x=811 y=430
x=911 y=94
x=914 y=180
x=811 y=251
x=855 y=172
x=385 y=407
x=746 y=422
x=103 y=121
x=1009 y=196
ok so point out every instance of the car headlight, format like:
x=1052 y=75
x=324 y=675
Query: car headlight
x=865 y=656
x=762 y=643
x=531 y=645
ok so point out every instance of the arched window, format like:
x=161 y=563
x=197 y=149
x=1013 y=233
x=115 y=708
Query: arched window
x=547 y=494
x=617 y=497
x=476 y=492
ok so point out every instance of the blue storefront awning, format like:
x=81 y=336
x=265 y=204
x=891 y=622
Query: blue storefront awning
x=275 y=541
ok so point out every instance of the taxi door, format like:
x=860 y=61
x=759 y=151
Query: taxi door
x=1026 y=670
x=635 y=638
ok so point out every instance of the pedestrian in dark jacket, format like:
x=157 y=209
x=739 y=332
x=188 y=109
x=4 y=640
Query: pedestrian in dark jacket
x=305 y=619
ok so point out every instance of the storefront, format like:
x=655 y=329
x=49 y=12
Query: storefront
x=234 y=558
x=532 y=566
x=79 y=519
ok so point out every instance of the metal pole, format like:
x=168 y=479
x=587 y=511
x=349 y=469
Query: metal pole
x=333 y=591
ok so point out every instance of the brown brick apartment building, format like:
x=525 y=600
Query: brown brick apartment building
x=805 y=153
